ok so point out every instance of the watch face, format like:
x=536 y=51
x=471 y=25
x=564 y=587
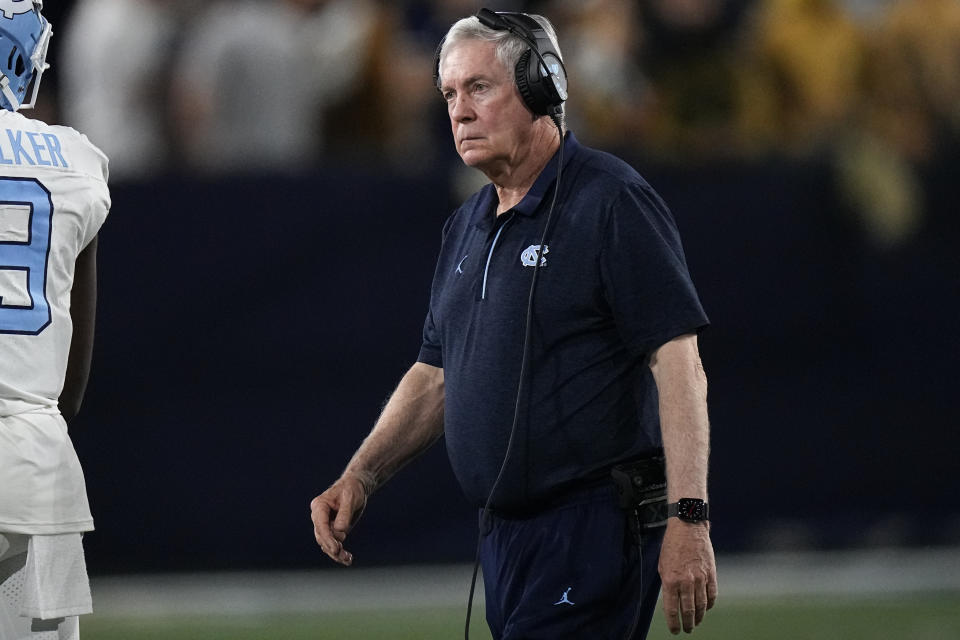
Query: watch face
x=691 y=509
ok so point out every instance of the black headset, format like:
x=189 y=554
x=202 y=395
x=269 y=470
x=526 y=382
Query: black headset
x=543 y=86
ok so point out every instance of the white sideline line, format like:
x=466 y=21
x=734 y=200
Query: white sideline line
x=836 y=574
x=284 y=592
x=748 y=576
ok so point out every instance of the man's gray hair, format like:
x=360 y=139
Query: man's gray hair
x=509 y=46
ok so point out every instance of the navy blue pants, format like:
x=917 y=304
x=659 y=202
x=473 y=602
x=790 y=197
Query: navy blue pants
x=571 y=571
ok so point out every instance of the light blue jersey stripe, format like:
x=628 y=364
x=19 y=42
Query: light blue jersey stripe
x=483 y=293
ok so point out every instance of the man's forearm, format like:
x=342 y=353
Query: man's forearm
x=411 y=421
x=682 y=386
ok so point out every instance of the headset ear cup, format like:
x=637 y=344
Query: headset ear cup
x=521 y=72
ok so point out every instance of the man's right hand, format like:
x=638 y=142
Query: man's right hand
x=334 y=513
x=409 y=424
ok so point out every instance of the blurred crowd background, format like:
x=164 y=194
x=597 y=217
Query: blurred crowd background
x=288 y=85
x=281 y=170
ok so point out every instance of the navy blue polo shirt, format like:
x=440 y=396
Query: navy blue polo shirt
x=613 y=286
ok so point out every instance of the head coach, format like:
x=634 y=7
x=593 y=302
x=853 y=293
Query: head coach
x=559 y=361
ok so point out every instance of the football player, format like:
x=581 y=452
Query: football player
x=53 y=200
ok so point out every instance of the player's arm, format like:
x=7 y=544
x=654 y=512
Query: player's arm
x=687 y=564
x=411 y=421
x=83 y=311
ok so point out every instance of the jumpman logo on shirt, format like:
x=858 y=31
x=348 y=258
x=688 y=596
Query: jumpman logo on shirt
x=564 y=599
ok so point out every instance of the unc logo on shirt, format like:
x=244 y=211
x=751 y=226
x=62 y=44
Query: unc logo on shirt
x=11 y=8
x=529 y=256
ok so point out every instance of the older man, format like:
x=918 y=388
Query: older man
x=560 y=362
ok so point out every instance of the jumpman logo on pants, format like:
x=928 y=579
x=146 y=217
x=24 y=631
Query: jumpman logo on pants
x=565 y=599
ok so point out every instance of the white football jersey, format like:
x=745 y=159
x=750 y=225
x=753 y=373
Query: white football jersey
x=53 y=200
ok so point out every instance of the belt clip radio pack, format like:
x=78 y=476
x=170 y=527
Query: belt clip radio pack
x=642 y=485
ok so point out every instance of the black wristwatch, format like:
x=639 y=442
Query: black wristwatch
x=689 y=510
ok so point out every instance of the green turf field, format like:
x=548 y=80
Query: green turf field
x=913 y=617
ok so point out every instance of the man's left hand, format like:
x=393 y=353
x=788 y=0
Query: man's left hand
x=689 y=574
